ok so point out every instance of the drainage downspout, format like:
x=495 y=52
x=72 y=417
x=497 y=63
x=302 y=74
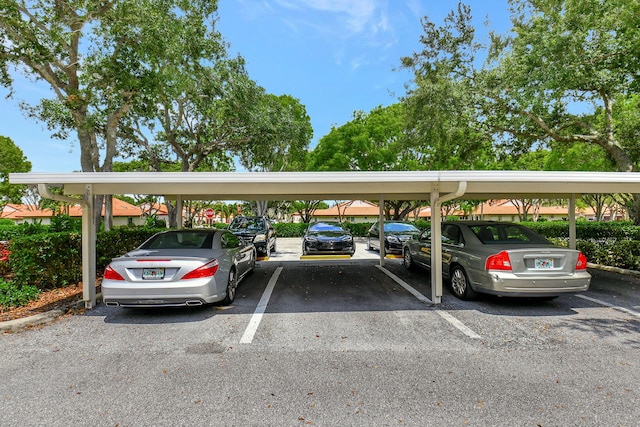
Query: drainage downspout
x=88 y=240
x=436 y=240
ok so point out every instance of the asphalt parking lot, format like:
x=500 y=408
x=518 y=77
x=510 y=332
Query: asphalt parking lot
x=335 y=342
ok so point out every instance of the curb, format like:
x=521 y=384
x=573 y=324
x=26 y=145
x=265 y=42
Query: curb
x=42 y=318
x=618 y=270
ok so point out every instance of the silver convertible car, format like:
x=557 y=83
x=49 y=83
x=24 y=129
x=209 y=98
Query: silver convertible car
x=502 y=259
x=179 y=268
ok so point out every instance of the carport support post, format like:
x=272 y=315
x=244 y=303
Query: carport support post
x=179 y=211
x=572 y=221
x=436 y=248
x=381 y=229
x=88 y=250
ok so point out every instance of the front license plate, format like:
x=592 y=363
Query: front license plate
x=544 y=263
x=153 y=273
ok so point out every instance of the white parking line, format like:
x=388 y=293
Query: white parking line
x=405 y=285
x=606 y=304
x=446 y=316
x=252 y=327
x=458 y=324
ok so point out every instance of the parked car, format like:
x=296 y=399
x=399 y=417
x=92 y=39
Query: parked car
x=257 y=230
x=502 y=259
x=395 y=234
x=328 y=238
x=179 y=268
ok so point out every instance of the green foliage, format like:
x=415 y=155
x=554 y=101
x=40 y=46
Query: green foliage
x=152 y=221
x=61 y=223
x=12 y=295
x=46 y=260
x=358 y=229
x=369 y=142
x=113 y=243
x=12 y=159
x=290 y=229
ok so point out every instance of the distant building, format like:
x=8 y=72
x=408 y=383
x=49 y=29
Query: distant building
x=123 y=213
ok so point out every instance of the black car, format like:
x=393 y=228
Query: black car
x=328 y=238
x=395 y=234
x=257 y=230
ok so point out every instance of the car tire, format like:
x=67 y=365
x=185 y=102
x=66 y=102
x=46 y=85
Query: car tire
x=232 y=285
x=369 y=247
x=407 y=260
x=273 y=248
x=460 y=284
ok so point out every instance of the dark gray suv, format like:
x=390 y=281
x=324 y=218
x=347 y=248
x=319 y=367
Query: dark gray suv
x=257 y=230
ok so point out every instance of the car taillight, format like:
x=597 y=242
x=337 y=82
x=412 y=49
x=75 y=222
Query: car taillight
x=111 y=274
x=581 y=264
x=499 y=261
x=207 y=270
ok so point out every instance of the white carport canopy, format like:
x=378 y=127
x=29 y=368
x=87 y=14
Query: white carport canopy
x=435 y=186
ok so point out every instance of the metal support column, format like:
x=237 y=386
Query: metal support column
x=436 y=248
x=88 y=250
x=572 y=221
x=381 y=229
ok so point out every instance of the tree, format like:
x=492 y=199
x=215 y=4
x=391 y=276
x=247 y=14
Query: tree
x=554 y=80
x=374 y=141
x=12 y=159
x=306 y=208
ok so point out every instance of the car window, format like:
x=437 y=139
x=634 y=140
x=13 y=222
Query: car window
x=451 y=235
x=247 y=224
x=323 y=226
x=398 y=227
x=179 y=240
x=518 y=234
x=229 y=241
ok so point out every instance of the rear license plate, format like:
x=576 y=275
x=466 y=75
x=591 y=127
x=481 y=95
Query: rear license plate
x=543 y=263
x=153 y=273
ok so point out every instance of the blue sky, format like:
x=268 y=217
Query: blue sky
x=335 y=56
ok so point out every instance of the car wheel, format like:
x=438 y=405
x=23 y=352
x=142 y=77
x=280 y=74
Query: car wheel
x=407 y=260
x=273 y=248
x=460 y=284
x=232 y=284
x=369 y=247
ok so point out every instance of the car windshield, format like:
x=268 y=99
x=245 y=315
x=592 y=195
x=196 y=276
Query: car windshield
x=323 y=226
x=247 y=224
x=398 y=227
x=179 y=240
x=490 y=234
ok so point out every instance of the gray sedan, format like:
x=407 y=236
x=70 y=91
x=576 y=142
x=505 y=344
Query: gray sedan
x=502 y=259
x=179 y=268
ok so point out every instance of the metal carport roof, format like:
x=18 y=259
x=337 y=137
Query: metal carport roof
x=435 y=186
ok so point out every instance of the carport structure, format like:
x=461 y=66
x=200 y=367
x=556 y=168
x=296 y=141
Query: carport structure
x=434 y=186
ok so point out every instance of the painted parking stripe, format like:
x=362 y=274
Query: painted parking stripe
x=606 y=304
x=458 y=324
x=252 y=327
x=445 y=315
x=405 y=285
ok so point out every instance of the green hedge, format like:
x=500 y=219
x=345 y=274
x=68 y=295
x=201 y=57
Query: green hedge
x=49 y=260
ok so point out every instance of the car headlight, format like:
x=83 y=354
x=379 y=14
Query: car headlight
x=346 y=238
x=260 y=238
x=310 y=239
x=393 y=239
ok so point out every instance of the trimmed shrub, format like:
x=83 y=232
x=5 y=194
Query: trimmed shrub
x=12 y=295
